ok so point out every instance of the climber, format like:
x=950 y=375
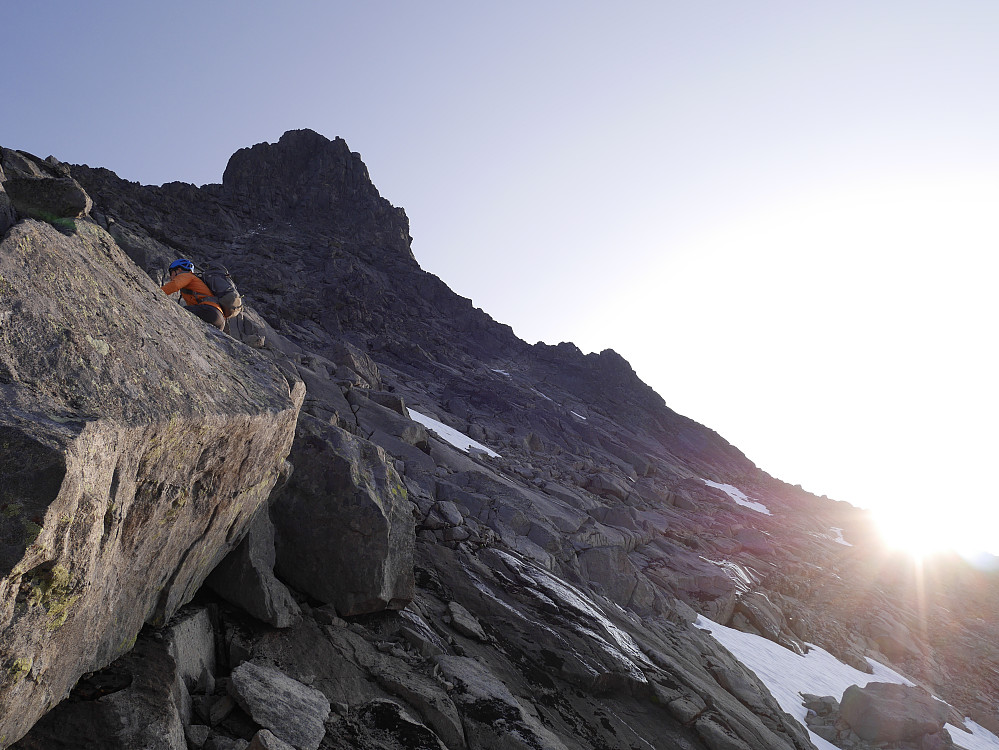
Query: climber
x=196 y=294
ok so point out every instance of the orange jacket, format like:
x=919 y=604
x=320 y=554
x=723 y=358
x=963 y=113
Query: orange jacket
x=192 y=289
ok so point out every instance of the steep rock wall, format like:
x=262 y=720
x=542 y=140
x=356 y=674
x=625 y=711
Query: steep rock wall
x=344 y=523
x=136 y=444
x=599 y=483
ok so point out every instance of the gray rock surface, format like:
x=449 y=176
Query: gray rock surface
x=190 y=640
x=345 y=530
x=136 y=452
x=463 y=621
x=197 y=735
x=583 y=553
x=294 y=712
x=267 y=740
x=883 y=712
x=494 y=717
x=389 y=717
x=246 y=577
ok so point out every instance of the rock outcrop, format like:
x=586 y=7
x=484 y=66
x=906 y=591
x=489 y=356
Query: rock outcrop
x=344 y=523
x=136 y=450
x=882 y=715
x=290 y=710
x=7 y=213
x=883 y=712
x=40 y=189
x=522 y=567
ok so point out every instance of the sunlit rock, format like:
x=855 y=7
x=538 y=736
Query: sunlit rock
x=134 y=451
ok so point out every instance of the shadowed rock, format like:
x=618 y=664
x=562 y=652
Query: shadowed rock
x=48 y=197
x=345 y=526
x=884 y=712
x=494 y=718
x=7 y=213
x=292 y=711
x=142 y=700
x=140 y=708
x=41 y=189
x=246 y=577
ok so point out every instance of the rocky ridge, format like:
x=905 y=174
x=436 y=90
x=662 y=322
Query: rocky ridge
x=396 y=590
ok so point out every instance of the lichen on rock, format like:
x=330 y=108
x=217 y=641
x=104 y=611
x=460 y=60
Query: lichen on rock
x=136 y=444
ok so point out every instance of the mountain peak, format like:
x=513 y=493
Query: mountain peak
x=303 y=175
x=501 y=493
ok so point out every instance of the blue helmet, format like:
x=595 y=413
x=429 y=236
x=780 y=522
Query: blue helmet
x=182 y=263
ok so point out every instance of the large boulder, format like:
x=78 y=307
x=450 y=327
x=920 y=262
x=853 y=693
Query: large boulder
x=246 y=577
x=345 y=526
x=48 y=197
x=41 y=188
x=886 y=712
x=142 y=699
x=292 y=711
x=16 y=163
x=136 y=445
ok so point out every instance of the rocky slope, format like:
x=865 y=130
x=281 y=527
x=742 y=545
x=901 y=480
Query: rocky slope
x=533 y=586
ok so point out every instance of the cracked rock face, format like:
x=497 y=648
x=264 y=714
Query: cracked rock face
x=294 y=712
x=541 y=593
x=344 y=523
x=136 y=451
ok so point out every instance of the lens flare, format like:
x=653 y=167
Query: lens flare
x=922 y=531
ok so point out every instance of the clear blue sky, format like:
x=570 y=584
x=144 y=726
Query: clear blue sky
x=783 y=214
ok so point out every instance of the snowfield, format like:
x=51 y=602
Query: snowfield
x=739 y=497
x=788 y=675
x=450 y=435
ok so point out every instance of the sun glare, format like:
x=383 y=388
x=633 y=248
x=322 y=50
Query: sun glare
x=914 y=533
x=922 y=532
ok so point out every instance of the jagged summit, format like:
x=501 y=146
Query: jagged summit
x=302 y=176
x=471 y=542
x=316 y=247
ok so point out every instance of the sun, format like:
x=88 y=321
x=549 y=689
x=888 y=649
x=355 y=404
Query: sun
x=923 y=531
x=914 y=532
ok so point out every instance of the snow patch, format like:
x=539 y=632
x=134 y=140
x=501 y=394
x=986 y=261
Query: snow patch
x=578 y=415
x=450 y=435
x=739 y=497
x=743 y=578
x=787 y=675
x=613 y=641
x=980 y=738
x=838 y=536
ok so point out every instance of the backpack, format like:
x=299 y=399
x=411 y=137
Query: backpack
x=217 y=279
